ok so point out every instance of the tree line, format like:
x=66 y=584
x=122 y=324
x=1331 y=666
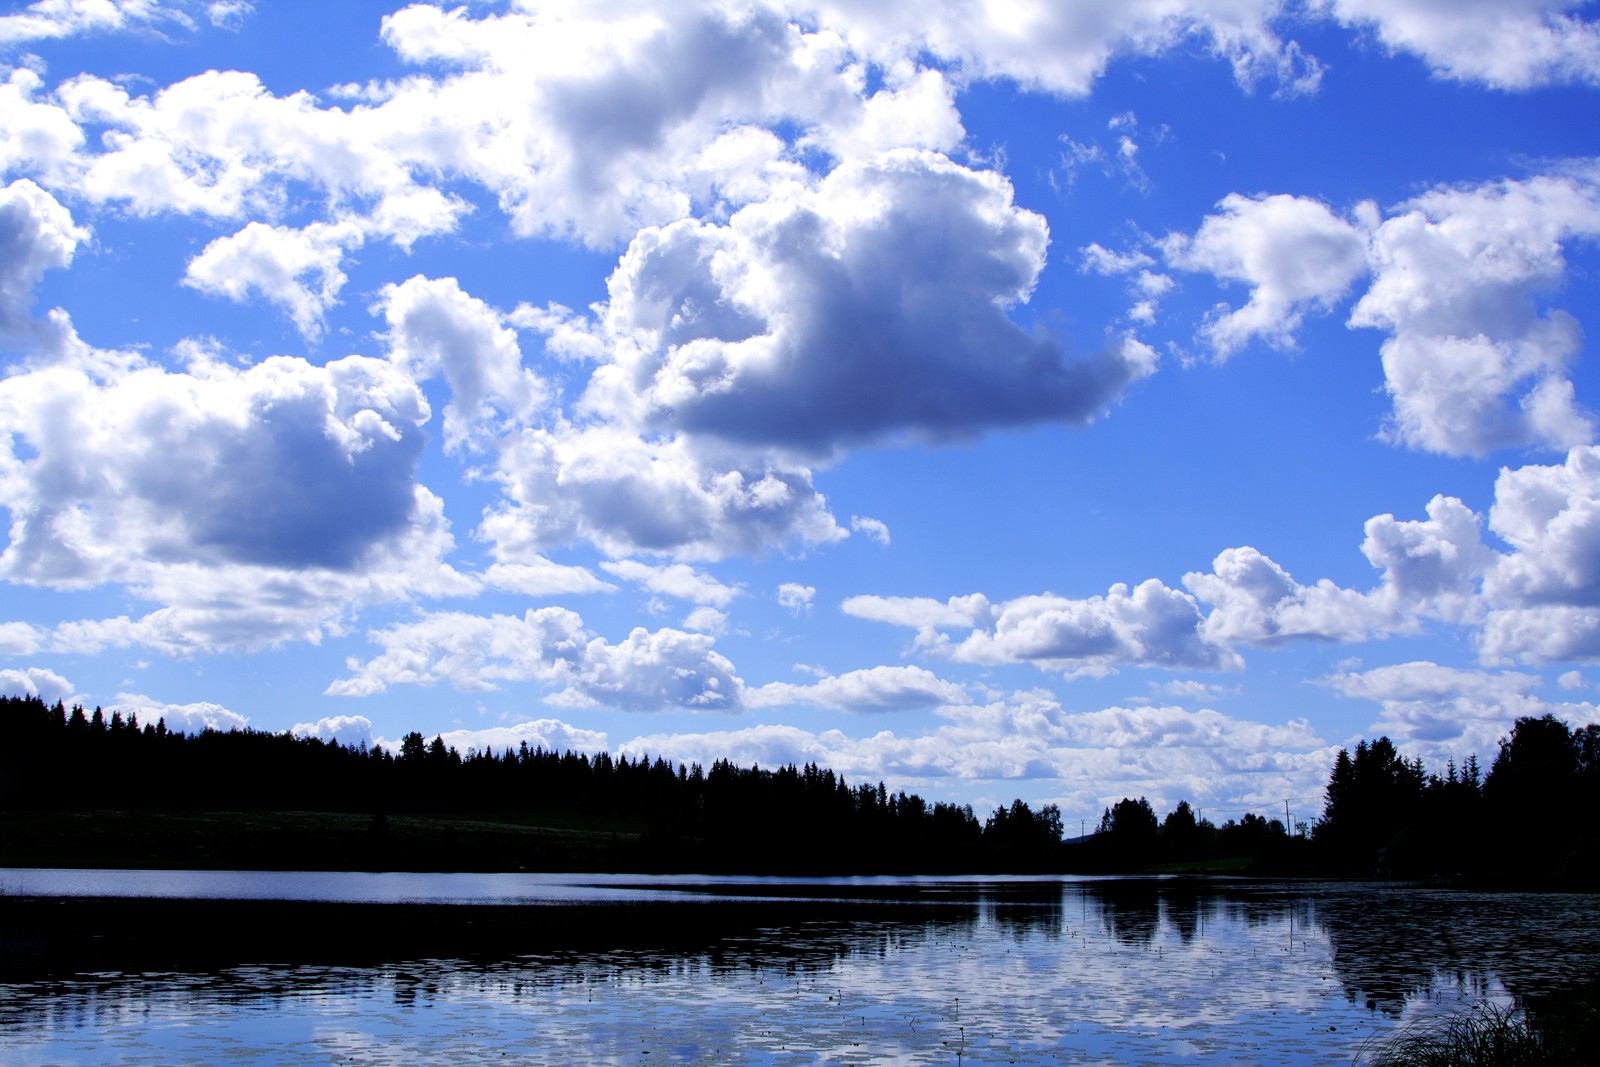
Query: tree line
x=684 y=816
x=1530 y=819
x=1533 y=819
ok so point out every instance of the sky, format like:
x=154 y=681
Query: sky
x=999 y=400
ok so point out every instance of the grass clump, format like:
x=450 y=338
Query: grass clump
x=1559 y=1031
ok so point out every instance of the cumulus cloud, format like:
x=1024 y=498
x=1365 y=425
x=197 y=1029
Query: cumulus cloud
x=1434 y=565
x=284 y=464
x=552 y=735
x=293 y=503
x=1256 y=602
x=611 y=123
x=220 y=146
x=631 y=495
x=437 y=328
x=1081 y=760
x=299 y=270
x=1293 y=253
x=1513 y=44
x=36 y=137
x=1474 y=362
x=1551 y=516
x=39 y=682
x=872 y=306
x=1146 y=626
x=1544 y=596
x=1063 y=48
x=646 y=671
x=874 y=689
x=1452 y=713
x=181 y=718
x=351 y=731
x=36 y=234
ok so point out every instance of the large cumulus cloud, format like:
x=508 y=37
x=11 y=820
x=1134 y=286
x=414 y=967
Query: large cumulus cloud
x=1475 y=361
x=873 y=305
x=250 y=505
x=1461 y=278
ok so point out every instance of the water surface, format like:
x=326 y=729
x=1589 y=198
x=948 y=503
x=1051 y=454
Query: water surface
x=545 y=970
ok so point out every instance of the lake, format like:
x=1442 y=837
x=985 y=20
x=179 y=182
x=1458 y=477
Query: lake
x=101 y=967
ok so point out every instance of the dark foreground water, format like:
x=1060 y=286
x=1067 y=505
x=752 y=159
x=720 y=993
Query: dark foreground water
x=207 y=968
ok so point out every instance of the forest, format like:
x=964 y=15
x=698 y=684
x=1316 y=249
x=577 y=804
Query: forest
x=81 y=788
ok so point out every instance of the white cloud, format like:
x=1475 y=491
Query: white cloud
x=48 y=19
x=1451 y=713
x=552 y=735
x=1147 y=626
x=229 y=14
x=791 y=325
x=537 y=576
x=1473 y=363
x=45 y=684
x=610 y=120
x=284 y=464
x=36 y=234
x=923 y=613
x=1544 y=596
x=1571 y=680
x=646 y=671
x=706 y=620
x=874 y=689
x=182 y=718
x=875 y=529
x=1551 y=516
x=437 y=328
x=1294 y=254
x=20 y=639
x=1256 y=602
x=676 y=580
x=1084 y=760
x=299 y=270
x=1432 y=566
x=1508 y=44
x=1064 y=48
x=351 y=731
x=630 y=495
x=36 y=137
x=797 y=598
x=294 y=502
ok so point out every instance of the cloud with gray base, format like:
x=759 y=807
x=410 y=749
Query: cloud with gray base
x=872 y=307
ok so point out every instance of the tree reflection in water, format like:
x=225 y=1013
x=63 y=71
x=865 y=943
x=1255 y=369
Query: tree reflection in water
x=1149 y=970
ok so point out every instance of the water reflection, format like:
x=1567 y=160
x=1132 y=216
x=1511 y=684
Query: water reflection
x=1115 y=971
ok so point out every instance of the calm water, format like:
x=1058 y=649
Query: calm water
x=638 y=971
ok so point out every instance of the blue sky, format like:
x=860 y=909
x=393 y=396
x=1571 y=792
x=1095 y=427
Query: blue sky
x=1064 y=402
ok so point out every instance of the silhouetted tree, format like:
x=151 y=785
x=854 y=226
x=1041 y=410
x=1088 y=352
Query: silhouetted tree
x=1128 y=832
